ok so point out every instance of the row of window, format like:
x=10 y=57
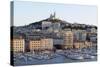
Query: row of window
x=18 y=41
x=41 y=48
x=18 y=47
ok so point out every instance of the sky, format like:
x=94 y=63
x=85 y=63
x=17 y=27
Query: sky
x=26 y=12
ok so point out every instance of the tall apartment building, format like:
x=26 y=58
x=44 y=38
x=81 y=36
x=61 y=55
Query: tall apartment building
x=18 y=44
x=68 y=39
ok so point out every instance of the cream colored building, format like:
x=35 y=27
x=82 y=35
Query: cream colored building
x=35 y=44
x=18 y=45
x=68 y=39
x=88 y=44
x=79 y=44
x=82 y=44
x=41 y=44
x=47 y=43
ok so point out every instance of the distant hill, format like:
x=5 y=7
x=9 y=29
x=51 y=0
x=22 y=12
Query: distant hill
x=53 y=20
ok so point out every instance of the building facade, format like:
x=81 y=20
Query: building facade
x=80 y=35
x=47 y=43
x=41 y=44
x=56 y=26
x=46 y=25
x=68 y=39
x=93 y=30
x=88 y=44
x=35 y=44
x=79 y=44
x=18 y=45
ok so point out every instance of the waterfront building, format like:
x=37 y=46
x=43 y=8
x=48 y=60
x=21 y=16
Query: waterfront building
x=41 y=44
x=18 y=44
x=79 y=44
x=34 y=44
x=47 y=43
x=88 y=44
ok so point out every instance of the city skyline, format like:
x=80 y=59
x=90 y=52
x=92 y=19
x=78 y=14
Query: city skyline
x=49 y=33
x=29 y=12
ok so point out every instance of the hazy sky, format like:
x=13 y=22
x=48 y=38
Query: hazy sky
x=26 y=12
